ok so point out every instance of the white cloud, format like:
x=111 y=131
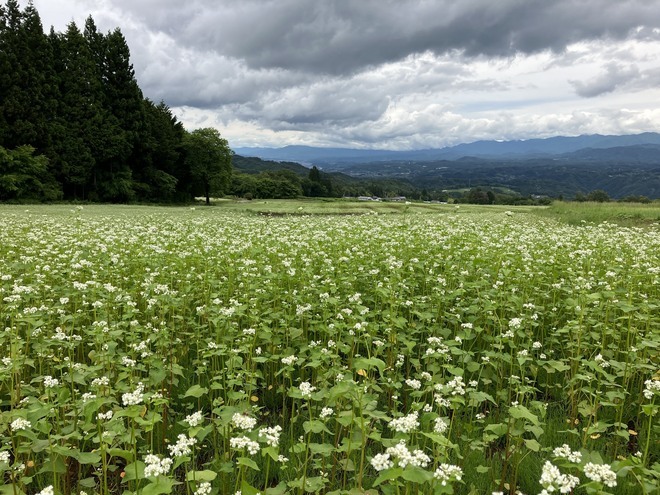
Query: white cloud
x=375 y=74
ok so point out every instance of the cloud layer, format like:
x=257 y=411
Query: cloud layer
x=391 y=73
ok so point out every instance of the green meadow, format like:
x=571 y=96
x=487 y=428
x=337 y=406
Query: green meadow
x=330 y=347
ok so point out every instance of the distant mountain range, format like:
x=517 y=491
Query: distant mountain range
x=337 y=158
x=560 y=166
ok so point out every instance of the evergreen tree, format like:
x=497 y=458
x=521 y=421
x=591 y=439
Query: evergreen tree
x=27 y=83
x=79 y=114
x=159 y=173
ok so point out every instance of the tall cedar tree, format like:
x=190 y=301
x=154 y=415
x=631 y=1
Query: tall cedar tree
x=28 y=89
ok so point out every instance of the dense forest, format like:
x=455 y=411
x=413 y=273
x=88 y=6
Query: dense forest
x=74 y=124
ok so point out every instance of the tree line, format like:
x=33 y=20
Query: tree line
x=74 y=124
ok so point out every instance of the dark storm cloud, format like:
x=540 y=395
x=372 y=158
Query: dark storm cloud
x=344 y=36
x=615 y=75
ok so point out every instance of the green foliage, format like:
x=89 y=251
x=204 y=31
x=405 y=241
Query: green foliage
x=209 y=159
x=24 y=175
x=599 y=196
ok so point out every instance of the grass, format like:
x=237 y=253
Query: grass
x=622 y=214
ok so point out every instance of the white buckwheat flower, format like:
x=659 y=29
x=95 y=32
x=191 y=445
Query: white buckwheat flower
x=440 y=425
x=244 y=442
x=204 y=488
x=289 y=360
x=601 y=473
x=156 y=466
x=194 y=419
x=448 y=472
x=405 y=424
x=243 y=422
x=50 y=382
x=381 y=462
x=326 y=412
x=414 y=384
x=565 y=453
x=20 y=424
x=271 y=435
x=651 y=387
x=552 y=480
x=135 y=397
x=306 y=389
x=183 y=446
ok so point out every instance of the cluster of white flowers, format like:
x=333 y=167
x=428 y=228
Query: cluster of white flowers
x=244 y=443
x=104 y=416
x=552 y=480
x=601 y=473
x=651 y=387
x=195 y=419
x=414 y=384
x=47 y=491
x=128 y=362
x=289 y=360
x=50 y=382
x=405 y=457
x=20 y=424
x=565 y=453
x=243 y=421
x=104 y=381
x=437 y=346
x=204 y=488
x=156 y=466
x=456 y=386
x=135 y=397
x=381 y=462
x=5 y=456
x=183 y=446
x=440 y=425
x=405 y=424
x=601 y=361
x=271 y=435
x=448 y=472
x=326 y=412
x=306 y=389
x=515 y=323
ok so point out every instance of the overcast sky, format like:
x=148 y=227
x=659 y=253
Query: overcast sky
x=390 y=74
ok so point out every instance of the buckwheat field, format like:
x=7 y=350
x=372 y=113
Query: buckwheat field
x=199 y=351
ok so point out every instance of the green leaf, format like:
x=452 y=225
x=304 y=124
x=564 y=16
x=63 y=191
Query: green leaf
x=315 y=426
x=205 y=475
x=533 y=445
x=370 y=363
x=130 y=471
x=247 y=489
x=519 y=412
x=416 y=475
x=196 y=391
x=388 y=475
x=276 y=490
x=162 y=485
x=246 y=461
